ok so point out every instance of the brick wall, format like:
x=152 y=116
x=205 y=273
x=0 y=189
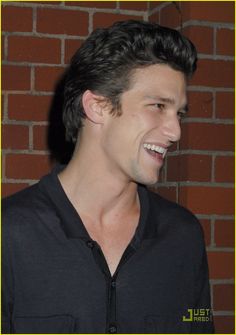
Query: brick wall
x=38 y=39
x=199 y=173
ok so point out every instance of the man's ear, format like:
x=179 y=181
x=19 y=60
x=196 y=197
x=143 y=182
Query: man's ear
x=93 y=106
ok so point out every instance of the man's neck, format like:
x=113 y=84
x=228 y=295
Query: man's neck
x=95 y=191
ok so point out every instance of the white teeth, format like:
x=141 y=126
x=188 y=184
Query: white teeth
x=156 y=148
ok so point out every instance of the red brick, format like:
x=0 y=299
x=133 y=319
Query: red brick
x=154 y=18
x=40 y=136
x=15 y=77
x=225 y=105
x=202 y=37
x=71 y=46
x=170 y=16
x=189 y=168
x=9 y=188
x=134 y=5
x=2 y=106
x=56 y=21
x=168 y=192
x=221 y=265
x=16 y=19
x=34 y=49
x=206 y=136
x=207 y=200
x=225 y=233
x=104 y=20
x=216 y=11
x=225 y=42
x=29 y=107
x=224 y=324
x=206 y=225
x=92 y=4
x=27 y=166
x=223 y=297
x=215 y=73
x=3 y=48
x=46 y=78
x=15 y=137
x=200 y=104
x=224 y=169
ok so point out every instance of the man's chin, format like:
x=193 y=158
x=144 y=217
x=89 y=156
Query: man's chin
x=151 y=183
x=148 y=181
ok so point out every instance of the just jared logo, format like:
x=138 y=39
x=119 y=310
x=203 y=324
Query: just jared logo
x=198 y=315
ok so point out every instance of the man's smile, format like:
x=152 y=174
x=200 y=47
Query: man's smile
x=156 y=151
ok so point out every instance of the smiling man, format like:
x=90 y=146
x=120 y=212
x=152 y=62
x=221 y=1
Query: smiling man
x=89 y=249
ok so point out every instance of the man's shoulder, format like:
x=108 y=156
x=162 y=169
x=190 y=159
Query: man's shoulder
x=20 y=201
x=167 y=207
x=173 y=217
x=23 y=207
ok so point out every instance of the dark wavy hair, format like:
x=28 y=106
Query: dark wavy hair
x=105 y=61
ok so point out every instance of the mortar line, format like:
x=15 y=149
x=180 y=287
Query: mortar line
x=32 y=79
x=63 y=51
x=213 y=169
x=213 y=244
x=34 y=18
x=31 y=139
x=214 y=40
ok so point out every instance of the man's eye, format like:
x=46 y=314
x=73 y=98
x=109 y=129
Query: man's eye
x=159 y=106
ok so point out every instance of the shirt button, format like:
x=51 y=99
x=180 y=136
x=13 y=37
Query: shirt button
x=113 y=284
x=90 y=244
x=112 y=329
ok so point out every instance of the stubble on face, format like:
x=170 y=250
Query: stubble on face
x=141 y=123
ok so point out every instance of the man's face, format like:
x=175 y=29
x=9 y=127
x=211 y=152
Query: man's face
x=136 y=142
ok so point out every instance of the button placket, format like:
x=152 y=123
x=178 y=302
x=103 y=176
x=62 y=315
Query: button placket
x=113 y=284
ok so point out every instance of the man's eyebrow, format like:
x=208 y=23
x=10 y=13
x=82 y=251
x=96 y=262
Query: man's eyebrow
x=161 y=99
x=170 y=101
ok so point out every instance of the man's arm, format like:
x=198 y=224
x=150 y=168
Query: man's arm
x=7 y=282
x=203 y=300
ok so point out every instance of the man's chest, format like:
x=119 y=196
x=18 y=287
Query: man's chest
x=70 y=279
x=113 y=241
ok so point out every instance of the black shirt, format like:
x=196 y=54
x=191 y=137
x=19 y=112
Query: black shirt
x=55 y=278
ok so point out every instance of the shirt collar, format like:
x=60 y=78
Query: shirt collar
x=70 y=220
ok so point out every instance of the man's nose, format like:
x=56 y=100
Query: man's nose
x=171 y=129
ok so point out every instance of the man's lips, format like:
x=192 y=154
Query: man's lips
x=155 y=150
